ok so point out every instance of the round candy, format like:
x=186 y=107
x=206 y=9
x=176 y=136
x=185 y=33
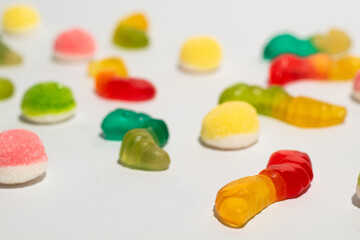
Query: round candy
x=22 y=156
x=136 y=20
x=6 y=88
x=200 y=54
x=48 y=102
x=74 y=44
x=112 y=64
x=19 y=19
x=231 y=125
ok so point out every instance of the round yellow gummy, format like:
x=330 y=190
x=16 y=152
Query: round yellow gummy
x=20 y=19
x=136 y=20
x=334 y=42
x=229 y=118
x=112 y=64
x=200 y=54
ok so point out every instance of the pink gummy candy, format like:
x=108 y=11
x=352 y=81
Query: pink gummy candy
x=74 y=44
x=357 y=82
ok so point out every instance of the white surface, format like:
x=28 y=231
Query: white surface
x=87 y=195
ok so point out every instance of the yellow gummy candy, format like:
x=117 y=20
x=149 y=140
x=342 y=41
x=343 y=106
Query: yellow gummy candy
x=344 y=68
x=335 y=41
x=20 y=18
x=200 y=54
x=229 y=118
x=136 y=20
x=242 y=199
x=112 y=64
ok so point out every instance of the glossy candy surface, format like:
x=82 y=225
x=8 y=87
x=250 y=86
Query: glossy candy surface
x=20 y=19
x=108 y=85
x=334 y=42
x=287 y=175
x=139 y=150
x=117 y=123
x=275 y=102
x=289 y=68
x=7 y=56
x=6 y=88
x=112 y=64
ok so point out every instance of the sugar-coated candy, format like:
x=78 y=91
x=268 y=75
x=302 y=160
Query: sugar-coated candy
x=48 y=102
x=131 y=32
x=110 y=86
x=287 y=175
x=22 y=156
x=231 y=125
x=8 y=57
x=289 y=68
x=74 y=44
x=334 y=42
x=20 y=19
x=6 y=88
x=139 y=150
x=358 y=187
x=276 y=102
x=200 y=54
x=117 y=123
x=112 y=64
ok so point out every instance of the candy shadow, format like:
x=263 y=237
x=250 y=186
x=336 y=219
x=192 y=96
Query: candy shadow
x=355 y=201
x=23 y=185
x=222 y=149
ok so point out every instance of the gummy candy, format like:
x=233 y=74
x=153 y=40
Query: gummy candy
x=288 y=68
x=358 y=187
x=334 y=42
x=231 y=125
x=6 y=88
x=131 y=32
x=130 y=89
x=287 y=175
x=356 y=88
x=275 y=102
x=120 y=121
x=200 y=54
x=22 y=156
x=111 y=64
x=48 y=102
x=74 y=44
x=7 y=56
x=139 y=150
x=19 y=19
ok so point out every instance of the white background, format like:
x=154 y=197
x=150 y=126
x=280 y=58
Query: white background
x=87 y=195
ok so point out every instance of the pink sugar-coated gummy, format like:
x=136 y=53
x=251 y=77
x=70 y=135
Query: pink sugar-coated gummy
x=75 y=42
x=357 y=82
x=20 y=147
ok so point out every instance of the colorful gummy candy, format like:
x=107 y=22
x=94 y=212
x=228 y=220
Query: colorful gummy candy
x=117 y=123
x=108 y=85
x=356 y=87
x=231 y=125
x=334 y=42
x=289 y=68
x=275 y=102
x=358 y=187
x=74 y=44
x=200 y=54
x=20 y=19
x=287 y=175
x=22 y=156
x=7 y=56
x=112 y=64
x=131 y=32
x=140 y=150
x=6 y=88
x=48 y=102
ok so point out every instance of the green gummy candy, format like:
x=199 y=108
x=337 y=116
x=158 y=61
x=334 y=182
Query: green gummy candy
x=7 y=56
x=6 y=88
x=130 y=37
x=117 y=123
x=139 y=150
x=47 y=98
x=287 y=43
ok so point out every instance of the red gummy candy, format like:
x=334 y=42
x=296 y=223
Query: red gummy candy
x=288 y=68
x=130 y=89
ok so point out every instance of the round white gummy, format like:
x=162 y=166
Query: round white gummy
x=356 y=95
x=233 y=142
x=50 y=118
x=72 y=57
x=358 y=190
x=23 y=173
